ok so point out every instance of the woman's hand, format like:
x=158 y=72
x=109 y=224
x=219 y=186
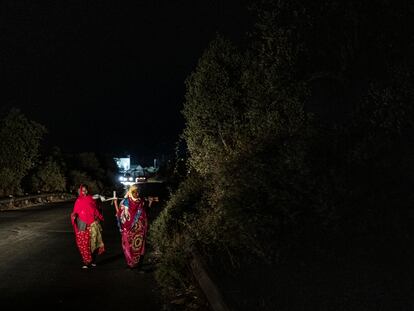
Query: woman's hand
x=152 y=199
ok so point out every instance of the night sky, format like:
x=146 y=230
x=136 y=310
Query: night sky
x=105 y=76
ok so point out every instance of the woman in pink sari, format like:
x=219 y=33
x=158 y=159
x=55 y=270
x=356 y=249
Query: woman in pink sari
x=133 y=222
x=86 y=219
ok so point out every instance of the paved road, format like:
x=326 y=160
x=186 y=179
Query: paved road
x=41 y=267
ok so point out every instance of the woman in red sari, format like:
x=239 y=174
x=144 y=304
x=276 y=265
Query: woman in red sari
x=133 y=222
x=86 y=219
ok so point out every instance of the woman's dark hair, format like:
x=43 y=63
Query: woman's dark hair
x=82 y=186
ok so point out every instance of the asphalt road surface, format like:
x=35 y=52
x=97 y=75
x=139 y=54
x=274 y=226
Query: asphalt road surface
x=40 y=265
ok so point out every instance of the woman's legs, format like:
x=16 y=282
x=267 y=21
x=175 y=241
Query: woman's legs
x=83 y=243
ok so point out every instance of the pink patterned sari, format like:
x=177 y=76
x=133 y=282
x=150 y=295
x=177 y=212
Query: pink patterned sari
x=133 y=230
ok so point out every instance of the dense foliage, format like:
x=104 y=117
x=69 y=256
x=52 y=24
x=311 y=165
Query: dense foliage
x=20 y=140
x=27 y=167
x=304 y=134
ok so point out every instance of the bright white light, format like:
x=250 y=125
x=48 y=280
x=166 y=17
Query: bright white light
x=123 y=163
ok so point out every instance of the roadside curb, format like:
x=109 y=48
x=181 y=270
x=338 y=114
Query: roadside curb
x=208 y=287
x=34 y=200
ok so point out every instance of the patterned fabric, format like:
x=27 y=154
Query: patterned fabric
x=133 y=242
x=83 y=242
x=96 y=238
x=133 y=230
x=88 y=239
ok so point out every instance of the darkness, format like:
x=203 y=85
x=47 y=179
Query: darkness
x=107 y=77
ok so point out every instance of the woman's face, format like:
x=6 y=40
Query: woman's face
x=135 y=193
x=84 y=190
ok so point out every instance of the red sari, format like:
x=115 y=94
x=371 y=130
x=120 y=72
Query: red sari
x=133 y=229
x=86 y=210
